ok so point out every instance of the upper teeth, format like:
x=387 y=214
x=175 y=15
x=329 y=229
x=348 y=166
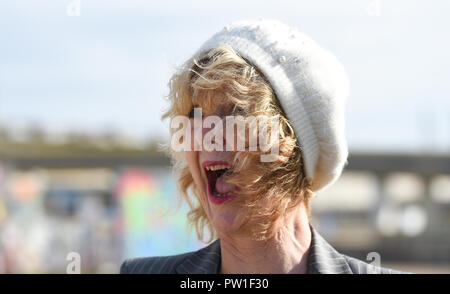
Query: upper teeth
x=217 y=167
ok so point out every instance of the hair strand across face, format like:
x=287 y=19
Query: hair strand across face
x=269 y=189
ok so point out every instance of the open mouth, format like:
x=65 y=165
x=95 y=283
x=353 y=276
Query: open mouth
x=218 y=189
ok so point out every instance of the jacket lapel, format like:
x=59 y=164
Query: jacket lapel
x=203 y=261
x=324 y=259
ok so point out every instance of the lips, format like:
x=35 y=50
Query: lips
x=219 y=190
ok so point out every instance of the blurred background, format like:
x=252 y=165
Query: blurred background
x=82 y=86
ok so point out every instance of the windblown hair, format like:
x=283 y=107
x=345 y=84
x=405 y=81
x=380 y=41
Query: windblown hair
x=267 y=190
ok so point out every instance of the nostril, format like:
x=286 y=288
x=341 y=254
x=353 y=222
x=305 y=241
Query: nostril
x=205 y=130
x=215 y=132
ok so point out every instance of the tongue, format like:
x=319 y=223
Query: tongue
x=223 y=187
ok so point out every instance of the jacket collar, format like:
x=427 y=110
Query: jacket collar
x=204 y=261
x=322 y=259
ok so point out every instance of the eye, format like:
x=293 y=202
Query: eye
x=191 y=114
x=238 y=110
x=224 y=110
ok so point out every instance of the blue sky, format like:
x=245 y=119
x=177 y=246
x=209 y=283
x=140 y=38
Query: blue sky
x=108 y=68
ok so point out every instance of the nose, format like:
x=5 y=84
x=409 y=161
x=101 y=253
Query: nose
x=205 y=130
x=216 y=136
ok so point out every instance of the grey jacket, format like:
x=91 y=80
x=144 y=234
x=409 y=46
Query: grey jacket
x=322 y=259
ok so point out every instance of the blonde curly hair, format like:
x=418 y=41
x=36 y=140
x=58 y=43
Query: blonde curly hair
x=269 y=189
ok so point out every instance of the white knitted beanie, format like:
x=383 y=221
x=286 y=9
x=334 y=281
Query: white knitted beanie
x=310 y=84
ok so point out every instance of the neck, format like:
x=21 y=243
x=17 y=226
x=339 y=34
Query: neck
x=286 y=252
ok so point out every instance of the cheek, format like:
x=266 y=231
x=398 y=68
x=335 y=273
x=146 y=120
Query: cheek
x=194 y=168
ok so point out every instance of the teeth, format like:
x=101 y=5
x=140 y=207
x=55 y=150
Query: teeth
x=217 y=194
x=217 y=167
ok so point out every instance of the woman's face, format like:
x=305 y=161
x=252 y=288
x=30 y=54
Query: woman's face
x=207 y=169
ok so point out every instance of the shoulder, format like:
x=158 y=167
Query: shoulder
x=202 y=261
x=360 y=267
x=153 y=265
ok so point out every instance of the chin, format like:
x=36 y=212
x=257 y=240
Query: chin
x=227 y=220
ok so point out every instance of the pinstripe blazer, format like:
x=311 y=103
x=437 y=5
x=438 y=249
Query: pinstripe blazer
x=322 y=259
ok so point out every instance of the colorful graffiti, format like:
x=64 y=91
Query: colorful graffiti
x=152 y=219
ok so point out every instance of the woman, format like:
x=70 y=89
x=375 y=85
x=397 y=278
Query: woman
x=258 y=209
